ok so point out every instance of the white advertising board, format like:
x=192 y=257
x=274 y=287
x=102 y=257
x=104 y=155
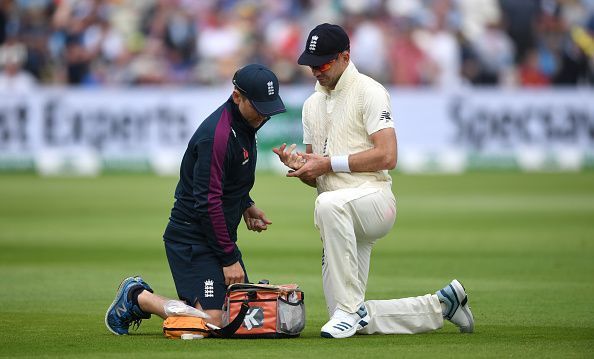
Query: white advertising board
x=89 y=130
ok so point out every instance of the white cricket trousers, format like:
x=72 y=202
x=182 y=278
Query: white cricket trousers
x=350 y=221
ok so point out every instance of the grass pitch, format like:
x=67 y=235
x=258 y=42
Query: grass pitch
x=522 y=244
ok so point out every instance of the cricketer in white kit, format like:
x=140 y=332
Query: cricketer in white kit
x=350 y=146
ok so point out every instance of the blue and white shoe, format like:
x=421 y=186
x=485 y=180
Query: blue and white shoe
x=457 y=310
x=362 y=312
x=344 y=325
x=122 y=312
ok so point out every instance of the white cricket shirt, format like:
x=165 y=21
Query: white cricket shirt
x=341 y=121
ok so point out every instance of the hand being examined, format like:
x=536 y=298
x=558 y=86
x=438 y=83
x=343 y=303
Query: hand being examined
x=292 y=160
x=313 y=167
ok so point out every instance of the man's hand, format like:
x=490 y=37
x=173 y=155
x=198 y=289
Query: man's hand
x=234 y=274
x=314 y=167
x=292 y=160
x=255 y=219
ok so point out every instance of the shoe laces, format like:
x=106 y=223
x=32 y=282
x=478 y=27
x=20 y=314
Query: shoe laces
x=136 y=323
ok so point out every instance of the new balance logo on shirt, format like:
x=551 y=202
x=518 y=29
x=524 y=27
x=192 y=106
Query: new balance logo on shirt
x=385 y=116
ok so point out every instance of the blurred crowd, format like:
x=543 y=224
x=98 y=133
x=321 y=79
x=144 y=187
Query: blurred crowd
x=436 y=43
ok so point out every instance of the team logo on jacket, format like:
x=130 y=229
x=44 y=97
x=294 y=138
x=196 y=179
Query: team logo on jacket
x=208 y=288
x=246 y=156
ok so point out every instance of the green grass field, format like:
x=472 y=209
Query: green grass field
x=523 y=245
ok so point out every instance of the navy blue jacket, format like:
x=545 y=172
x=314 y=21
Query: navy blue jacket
x=216 y=175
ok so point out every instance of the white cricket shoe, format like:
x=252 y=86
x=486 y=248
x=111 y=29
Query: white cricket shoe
x=344 y=325
x=457 y=310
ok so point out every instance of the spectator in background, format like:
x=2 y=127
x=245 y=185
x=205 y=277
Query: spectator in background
x=549 y=44
x=77 y=60
x=219 y=47
x=530 y=74
x=6 y=7
x=283 y=41
x=410 y=66
x=149 y=67
x=13 y=79
x=441 y=46
x=576 y=56
x=584 y=38
x=470 y=66
x=172 y=33
x=477 y=15
x=369 y=48
x=33 y=30
x=70 y=20
x=495 y=53
x=520 y=18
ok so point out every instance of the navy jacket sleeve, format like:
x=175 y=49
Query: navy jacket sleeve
x=248 y=202
x=209 y=173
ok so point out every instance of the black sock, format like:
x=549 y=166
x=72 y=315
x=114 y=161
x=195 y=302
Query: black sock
x=134 y=293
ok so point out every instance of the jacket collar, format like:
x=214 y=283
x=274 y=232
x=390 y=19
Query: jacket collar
x=239 y=121
x=347 y=77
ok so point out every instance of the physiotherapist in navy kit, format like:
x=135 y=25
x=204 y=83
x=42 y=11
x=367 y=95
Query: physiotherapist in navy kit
x=213 y=194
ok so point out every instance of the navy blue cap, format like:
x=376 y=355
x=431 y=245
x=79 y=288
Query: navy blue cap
x=323 y=44
x=260 y=86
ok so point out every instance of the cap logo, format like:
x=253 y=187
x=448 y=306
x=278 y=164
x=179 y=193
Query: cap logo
x=270 y=88
x=313 y=43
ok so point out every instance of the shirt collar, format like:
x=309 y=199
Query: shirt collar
x=344 y=81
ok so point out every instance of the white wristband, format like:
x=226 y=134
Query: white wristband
x=340 y=163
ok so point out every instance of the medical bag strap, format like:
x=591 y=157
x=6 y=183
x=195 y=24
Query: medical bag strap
x=230 y=329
